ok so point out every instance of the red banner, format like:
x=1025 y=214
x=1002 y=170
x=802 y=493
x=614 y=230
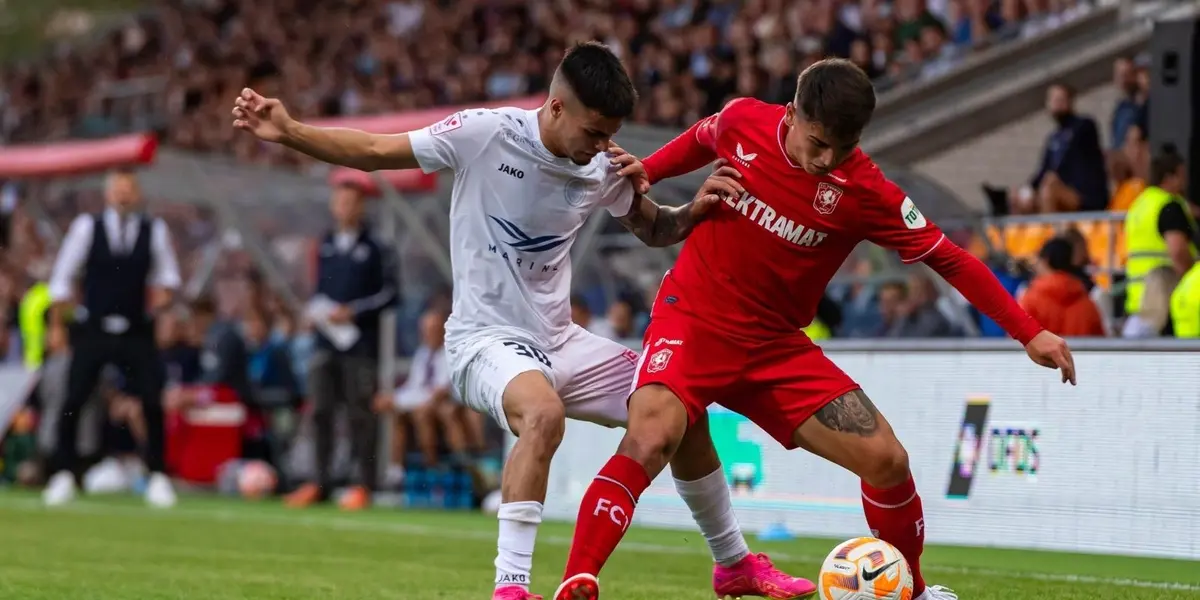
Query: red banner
x=416 y=119
x=408 y=180
x=76 y=157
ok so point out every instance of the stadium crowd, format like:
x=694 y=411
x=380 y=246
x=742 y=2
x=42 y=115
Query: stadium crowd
x=178 y=68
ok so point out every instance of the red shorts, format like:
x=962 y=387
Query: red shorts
x=777 y=384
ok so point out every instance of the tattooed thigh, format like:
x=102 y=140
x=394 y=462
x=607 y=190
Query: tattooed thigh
x=852 y=412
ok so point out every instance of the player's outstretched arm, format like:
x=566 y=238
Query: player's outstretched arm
x=267 y=119
x=659 y=226
x=980 y=287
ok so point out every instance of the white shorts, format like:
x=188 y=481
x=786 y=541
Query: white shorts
x=592 y=375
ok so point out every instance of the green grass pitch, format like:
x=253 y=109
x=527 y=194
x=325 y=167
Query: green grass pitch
x=215 y=549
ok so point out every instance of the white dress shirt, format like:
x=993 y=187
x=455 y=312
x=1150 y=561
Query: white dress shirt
x=77 y=244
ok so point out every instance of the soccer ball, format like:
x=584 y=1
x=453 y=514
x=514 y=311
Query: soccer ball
x=865 y=569
x=256 y=480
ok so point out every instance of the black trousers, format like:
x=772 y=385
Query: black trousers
x=136 y=354
x=351 y=381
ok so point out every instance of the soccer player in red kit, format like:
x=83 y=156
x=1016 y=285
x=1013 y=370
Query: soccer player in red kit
x=726 y=324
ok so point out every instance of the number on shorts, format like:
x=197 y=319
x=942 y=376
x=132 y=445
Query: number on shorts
x=530 y=352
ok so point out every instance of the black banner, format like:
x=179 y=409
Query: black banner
x=970 y=446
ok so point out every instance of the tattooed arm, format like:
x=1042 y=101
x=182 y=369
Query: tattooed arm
x=656 y=225
x=659 y=226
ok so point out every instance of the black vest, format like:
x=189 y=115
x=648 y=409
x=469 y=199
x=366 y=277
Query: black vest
x=115 y=284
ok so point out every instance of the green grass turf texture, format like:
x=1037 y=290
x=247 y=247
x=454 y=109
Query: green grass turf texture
x=223 y=549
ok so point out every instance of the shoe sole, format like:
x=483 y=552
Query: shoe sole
x=580 y=589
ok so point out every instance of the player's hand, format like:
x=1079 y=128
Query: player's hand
x=1051 y=351
x=722 y=184
x=266 y=118
x=631 y=167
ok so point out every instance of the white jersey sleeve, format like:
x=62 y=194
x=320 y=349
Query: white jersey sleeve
x=454 y=141
x=617 y=194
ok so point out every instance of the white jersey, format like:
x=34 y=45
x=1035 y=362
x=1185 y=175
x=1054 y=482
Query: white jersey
x=514 y=214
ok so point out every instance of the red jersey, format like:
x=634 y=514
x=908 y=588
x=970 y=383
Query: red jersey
x=768 y=255
x=758 y=265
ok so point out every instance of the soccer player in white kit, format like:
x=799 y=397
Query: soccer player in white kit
x=525 y=182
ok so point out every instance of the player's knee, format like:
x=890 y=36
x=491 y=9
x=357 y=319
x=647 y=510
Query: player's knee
x=545 y=424
x=887 y=466
x=657 y=424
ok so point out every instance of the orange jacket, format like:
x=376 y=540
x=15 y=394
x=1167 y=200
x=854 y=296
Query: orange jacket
x=1061 y=304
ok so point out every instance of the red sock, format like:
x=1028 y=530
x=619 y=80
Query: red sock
x=895 y=516
x=605 y=514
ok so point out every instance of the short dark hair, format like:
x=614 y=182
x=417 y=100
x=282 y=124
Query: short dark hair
x=838 y=95
x=1166 y=163
x=578 y=301
x=900 y=287
x=1067 y=89
x=598 y=79
x=203 y=307
x=1058 y=252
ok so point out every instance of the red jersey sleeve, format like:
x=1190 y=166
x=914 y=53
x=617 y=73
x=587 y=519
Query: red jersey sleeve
x=893 y=220
x=692 y=149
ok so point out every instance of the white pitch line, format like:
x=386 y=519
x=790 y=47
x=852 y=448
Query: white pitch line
x=348 y=524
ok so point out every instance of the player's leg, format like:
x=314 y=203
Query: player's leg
x=598 y=375
x=657 y=433
x=658 y=421
x=510 y=380
x=700 y=481
x=803 y=400
x=851 y=432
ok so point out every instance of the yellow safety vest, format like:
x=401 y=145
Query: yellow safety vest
x=817 y=331
x=32 y=320
x=1145 y=246
x=1185 y=305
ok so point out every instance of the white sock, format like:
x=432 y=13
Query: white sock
x=514 y=548
x=708 y=498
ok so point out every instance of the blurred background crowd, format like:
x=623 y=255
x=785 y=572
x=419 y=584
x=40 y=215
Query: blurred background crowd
x=172 y=68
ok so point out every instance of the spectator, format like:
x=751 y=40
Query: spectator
x=225 y=360
x=621 y=321
x=1080 y=259
x=1071 y=176
x=1130 y=109
x=1153 y=319
x=419 y=402
x=1013 y=275
x=1159 y=228
x=1185 y=305
x=274 y=384
x=581 y=315
x=1056 y=297
x=180 y=349
x=860 y=303
x=913 y=311
x=1129 y=167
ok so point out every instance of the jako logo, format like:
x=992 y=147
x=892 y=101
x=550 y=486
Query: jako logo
x=526 y=243
x=515 y=172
